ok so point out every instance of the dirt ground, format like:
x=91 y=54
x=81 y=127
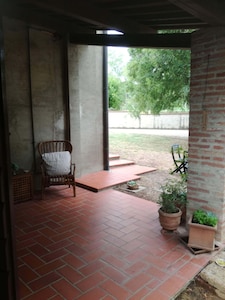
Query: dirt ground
x=198 y=290
x=151 y=183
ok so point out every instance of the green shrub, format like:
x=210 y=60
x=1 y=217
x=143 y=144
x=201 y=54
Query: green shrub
x=173 y=195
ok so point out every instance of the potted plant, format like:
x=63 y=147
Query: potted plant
x=202 y=230
x=172 y=199
x=132 y=185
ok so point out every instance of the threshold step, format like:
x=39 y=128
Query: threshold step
x=114 y=156
x=120 y=163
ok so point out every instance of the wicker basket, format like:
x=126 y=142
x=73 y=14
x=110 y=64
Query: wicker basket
x=22 y=187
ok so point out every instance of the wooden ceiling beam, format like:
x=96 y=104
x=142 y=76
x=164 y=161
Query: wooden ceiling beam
x=39 y=20
x=88 y=16
x=211 y=12
x=87 y=12
x=118 y=5
x=167 y=41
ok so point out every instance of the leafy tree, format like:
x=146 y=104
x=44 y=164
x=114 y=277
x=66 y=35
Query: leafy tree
x=116 y=77
x=158 y=80
x=117 y=61
x=116 y=92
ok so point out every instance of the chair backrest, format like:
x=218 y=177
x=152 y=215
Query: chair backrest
x=54 y=146
x=176 y=152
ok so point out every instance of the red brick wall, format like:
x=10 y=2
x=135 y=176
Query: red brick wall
x=206 y=182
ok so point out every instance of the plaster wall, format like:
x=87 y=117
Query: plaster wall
x=206 y=155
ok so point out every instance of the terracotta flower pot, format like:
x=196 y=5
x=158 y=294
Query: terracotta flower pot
x=169 y=221
x=201 y=236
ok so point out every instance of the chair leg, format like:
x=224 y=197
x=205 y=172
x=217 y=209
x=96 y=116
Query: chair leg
x=74 y=190
x=42 y=188
x=176 y=170
x=42 y=192
x=181 y=168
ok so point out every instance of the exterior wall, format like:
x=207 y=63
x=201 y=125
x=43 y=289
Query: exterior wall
x=122 y=119
x=206 y=181
x=86 y=107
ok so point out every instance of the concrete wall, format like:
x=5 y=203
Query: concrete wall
x=34 y=91
x=18 y=93
x=86 y=114
x=122 y=119
x=206 y=154
x=37 y=101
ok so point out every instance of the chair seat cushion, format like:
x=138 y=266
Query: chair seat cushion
x=57 y=163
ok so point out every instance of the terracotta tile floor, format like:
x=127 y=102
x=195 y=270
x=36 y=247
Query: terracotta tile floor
x=105 y=245
x=104 y=179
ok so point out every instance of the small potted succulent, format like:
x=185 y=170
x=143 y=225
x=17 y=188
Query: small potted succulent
x=172 y=199
x=202 y=230
x=132 y=185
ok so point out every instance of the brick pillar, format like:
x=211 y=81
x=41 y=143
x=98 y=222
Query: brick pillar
x=206 y=182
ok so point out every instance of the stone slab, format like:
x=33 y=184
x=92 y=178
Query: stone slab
x=214 y=275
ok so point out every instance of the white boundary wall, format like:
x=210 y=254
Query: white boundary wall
x=122 y=119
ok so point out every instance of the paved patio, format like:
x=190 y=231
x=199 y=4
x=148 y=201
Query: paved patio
x=105 y=245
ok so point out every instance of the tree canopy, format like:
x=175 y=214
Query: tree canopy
x=157 y=80
x=116 y=92
x=116 y=78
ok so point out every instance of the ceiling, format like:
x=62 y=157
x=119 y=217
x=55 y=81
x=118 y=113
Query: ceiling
x=139 y=20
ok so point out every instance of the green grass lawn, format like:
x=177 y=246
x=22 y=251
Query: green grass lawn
x=146 y=142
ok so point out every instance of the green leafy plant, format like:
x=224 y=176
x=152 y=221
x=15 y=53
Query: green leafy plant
x=173 y=195
x=131 y=183
x=204 y=217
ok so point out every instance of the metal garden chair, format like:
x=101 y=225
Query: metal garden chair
x=180 y=159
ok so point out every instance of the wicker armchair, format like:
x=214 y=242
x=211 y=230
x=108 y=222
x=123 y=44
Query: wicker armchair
x=56 y=166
